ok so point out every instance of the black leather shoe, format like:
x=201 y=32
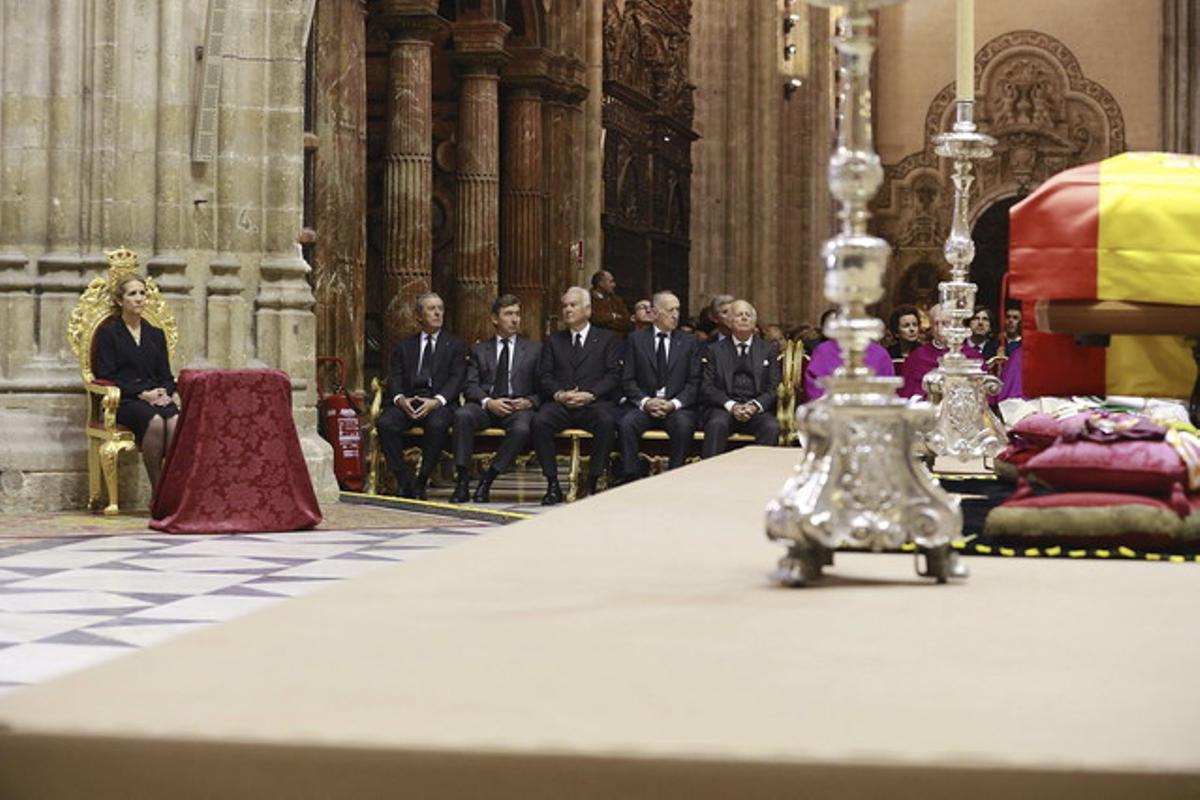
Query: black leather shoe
x=462 y=491
x=593 y=485
x=404 y=486
x=553 y=495
x=483 y=492
x=419 y=488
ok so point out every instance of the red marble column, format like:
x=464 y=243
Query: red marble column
x=523 y=199
x=408 y=166
x=479 y=52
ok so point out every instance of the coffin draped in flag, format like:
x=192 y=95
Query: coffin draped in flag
x=1127 y=228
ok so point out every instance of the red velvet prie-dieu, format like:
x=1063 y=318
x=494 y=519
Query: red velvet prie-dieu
x=235 y=465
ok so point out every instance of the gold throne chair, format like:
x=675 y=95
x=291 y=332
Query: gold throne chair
x=106 y=440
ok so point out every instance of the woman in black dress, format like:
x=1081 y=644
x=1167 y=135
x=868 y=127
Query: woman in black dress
x=132 y=354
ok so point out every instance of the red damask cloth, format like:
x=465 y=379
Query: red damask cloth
x=235 y=465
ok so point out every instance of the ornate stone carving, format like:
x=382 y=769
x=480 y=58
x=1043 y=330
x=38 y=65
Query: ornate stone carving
x=647 y=113
x=1045 y=115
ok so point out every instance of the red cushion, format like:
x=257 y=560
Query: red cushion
x=1036 y=430
x=1144 y=467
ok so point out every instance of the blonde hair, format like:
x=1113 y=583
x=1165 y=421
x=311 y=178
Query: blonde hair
x=118 y=288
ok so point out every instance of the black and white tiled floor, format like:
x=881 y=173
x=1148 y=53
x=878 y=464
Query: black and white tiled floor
x=66 y=604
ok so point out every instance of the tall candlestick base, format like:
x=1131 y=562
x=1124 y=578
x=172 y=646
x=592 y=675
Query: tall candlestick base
x=966 y=427
x=859 y=483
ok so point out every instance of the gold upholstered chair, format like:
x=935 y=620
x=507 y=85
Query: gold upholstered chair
x=106 y=440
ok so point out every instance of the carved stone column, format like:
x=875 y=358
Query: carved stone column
x=479 y=52
x=408 y=170
x=523 y=205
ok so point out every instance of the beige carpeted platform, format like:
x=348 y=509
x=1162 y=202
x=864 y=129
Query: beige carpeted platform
x=630 y=646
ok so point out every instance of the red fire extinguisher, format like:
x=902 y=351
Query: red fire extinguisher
x=340 y=427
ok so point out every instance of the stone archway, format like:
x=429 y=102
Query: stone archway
x=1046 y=116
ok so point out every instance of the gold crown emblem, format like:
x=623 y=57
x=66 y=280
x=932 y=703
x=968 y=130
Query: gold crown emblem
x=121 y=262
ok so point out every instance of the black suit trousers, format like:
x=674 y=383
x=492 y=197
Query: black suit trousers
x=596 y=419
x=720 y=423
x=393 y=423
x=472 y=417
x=679 y=425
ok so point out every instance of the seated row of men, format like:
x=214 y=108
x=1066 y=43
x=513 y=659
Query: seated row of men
x=581 y=377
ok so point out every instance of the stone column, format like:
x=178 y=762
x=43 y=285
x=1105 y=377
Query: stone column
x=523 y=205
x=593 y=130
x=173 y=235
x=568 y=209
x=408 y=167
x=340 y=186
x=1181 y=76
x=479 y=52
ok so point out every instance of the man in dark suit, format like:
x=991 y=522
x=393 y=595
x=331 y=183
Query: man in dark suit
x=501 y=392
x=741 y=374
x=426 y=376
x=661 y=380
x=578 y=367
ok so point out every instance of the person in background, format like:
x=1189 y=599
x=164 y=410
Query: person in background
x=741 y=375
x=643 y=315
x=925 y=357
x=828 y=356
x=579 y=367
x=425 y=379
x=715 y=321
x=905 y=327
x=608 y=309
x=661 y=380
x=132 y=354
x=773 y=334
x=980 y=324
x=821 y=336
x=501 y=392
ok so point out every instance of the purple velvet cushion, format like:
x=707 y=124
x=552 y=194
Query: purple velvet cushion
x=1144 y=467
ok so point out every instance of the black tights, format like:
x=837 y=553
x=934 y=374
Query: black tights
x=155 y=444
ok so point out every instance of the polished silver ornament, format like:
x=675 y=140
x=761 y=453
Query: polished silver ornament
x=966 y=428
x=859 y=482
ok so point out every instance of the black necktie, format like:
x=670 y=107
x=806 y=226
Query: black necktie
x=660 y=358
x=743 y=349
x=425 y=370
x=578 y=346
x=500 y=389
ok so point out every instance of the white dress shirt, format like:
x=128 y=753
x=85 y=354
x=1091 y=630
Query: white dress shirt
x=421 y=357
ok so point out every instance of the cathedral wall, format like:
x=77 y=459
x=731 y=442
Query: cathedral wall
x=1117 y=43
x=96 y=134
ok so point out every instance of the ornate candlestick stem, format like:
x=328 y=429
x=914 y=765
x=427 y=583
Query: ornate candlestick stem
x=859 y=483
x=959 y=388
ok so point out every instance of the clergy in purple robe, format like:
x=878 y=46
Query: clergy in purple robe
x=922 y=360
x=828 y=357
x=1010 y=377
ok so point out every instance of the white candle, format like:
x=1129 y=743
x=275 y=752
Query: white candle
x=965 y=85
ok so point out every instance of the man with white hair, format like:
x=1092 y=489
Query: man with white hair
x=661 y=380
x=741 y=375
x=578 y=368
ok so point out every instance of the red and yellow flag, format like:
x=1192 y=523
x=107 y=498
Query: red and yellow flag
x=1127 y=228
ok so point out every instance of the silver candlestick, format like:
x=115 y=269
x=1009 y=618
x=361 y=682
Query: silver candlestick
x=859 y=482
x=959 y=388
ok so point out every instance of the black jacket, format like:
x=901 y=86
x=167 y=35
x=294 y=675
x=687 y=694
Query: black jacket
x=523 y=365
x=133 y=368
x=449 y=368
x=640 y=377
x=597 y=369
x=719 y=365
